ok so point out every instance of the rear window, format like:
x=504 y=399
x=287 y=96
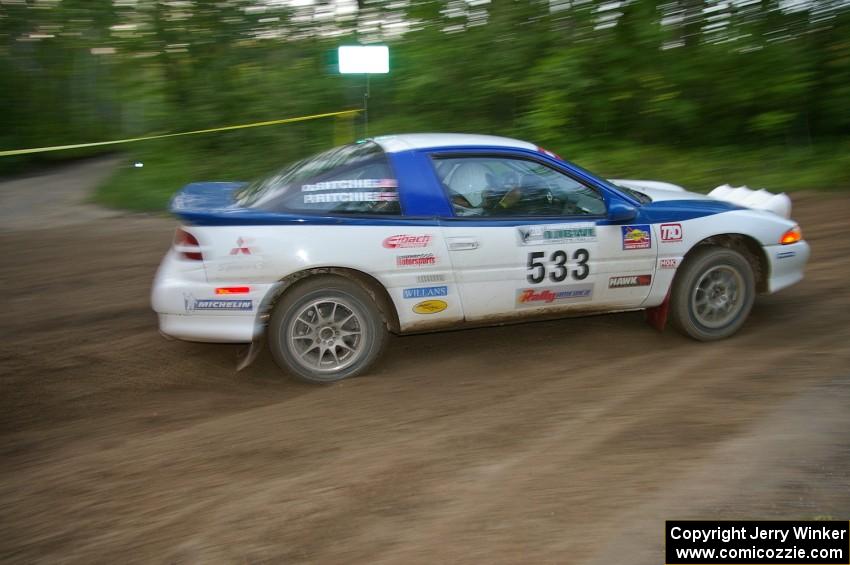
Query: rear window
x=352 y=179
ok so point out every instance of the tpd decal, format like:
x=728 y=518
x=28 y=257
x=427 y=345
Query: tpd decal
x=553 y=295
x=564 y=233
x=668 y=263
x=629 y=280
x=420 y=260
x=191 y=303
x=671 y=233
x=405 y=241
x=426 y=292
x=430 y=307
x=637 y=237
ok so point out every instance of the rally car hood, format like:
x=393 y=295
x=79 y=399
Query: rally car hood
x=659 y=191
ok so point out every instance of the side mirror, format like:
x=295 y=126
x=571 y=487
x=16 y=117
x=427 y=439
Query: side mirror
x=621 y=212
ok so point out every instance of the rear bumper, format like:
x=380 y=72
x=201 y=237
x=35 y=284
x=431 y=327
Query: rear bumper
x=189 y=308
x=216 y=329
x=787 y=263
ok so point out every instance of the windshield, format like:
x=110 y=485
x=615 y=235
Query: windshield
x=353 y=178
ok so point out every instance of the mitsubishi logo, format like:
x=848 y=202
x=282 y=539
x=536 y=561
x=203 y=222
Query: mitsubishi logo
x=240 y=248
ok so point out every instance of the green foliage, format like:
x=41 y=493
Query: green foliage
x=626 y=84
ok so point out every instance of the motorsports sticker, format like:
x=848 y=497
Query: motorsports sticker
x=549 y=295
x=426 y=292
x=758 y=542
x=637 y=237
x=418 y=260
x=558 y=233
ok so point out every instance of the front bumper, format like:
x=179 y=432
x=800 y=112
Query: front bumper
x=787 y=263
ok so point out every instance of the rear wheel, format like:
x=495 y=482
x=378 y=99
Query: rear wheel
x=712 y=294
x=326 y=329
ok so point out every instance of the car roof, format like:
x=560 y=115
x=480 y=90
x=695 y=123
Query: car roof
x=408 y=141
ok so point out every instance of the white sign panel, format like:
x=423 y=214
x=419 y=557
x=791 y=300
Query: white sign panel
x=371 y=59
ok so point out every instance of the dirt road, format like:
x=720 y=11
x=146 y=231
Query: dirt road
x=568 y=441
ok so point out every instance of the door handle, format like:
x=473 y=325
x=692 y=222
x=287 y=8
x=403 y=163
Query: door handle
x=462 y=243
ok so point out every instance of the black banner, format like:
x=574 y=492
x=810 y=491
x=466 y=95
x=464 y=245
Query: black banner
x=757 y=542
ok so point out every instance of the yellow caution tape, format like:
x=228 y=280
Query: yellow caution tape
x=133 y=139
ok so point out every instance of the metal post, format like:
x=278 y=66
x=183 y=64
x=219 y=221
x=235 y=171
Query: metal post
x=366 y=108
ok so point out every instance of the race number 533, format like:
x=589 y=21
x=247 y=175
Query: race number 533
x=558 y=269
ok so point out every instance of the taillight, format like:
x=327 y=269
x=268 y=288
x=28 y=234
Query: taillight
x=791 y=236
x=233 y=290
x=187 y=245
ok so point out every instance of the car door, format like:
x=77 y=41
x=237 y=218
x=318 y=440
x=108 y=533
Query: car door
x=526 y=238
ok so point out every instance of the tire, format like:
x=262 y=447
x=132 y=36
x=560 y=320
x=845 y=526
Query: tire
x=326 y=329
x=713 y=293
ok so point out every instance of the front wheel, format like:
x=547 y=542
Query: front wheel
x=326 y=329
x=712 y=294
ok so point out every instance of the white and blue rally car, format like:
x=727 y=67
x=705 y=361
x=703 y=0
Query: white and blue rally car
x=422 y=232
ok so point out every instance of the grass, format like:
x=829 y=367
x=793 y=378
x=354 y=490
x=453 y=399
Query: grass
x=777 y=169
x=169 y=164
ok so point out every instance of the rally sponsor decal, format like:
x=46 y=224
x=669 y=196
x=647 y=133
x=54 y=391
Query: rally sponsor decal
x=543 y=296
x=405 y=241
x=558 y=233
x=193 y=304
x=418 y=260
x=425 y=292
x=671 y=233
x=334 y=197
x=349 y=184
x=668 y=263
x=629 y=281
x=430 y=278
x=637 y=237
x=430 y=306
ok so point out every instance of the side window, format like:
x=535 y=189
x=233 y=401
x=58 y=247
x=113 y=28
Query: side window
x=505 y=186
x=354 y=179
